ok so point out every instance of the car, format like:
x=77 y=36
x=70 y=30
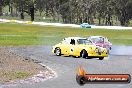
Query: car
x=101 y=41
x=79 y=47
x=85 y=25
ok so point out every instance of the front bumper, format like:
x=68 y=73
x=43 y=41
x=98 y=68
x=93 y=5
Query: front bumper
x=98 y=54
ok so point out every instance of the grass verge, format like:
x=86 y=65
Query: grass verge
x=19 y=34
x=8 y=76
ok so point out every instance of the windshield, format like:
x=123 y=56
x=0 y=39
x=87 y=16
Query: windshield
x=99 y=40
x=84 y=41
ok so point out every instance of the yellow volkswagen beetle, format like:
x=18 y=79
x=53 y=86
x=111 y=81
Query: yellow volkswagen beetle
x=79 y=47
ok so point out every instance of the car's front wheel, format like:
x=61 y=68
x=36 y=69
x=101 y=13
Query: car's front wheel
x=84 y=54
x=58 y=51
x=101 y=58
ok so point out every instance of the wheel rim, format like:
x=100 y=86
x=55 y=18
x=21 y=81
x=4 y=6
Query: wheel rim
x=57 y=52
x=101 y=58
x=83 y=54
x=82 y=81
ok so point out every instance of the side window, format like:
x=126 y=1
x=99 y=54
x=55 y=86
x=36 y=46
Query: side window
x=106 y=40
x=88 y=39
x=103 y=40
x=66 y=41
x=72 y=42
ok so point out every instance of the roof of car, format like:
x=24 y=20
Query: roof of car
x=96 y=36
x=75 y=38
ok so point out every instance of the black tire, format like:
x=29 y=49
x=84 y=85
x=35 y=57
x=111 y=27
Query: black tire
x=84 y=54
x=58 y=51
x=80 y=80
x=101 y=58
x=108 y=51
x=76 y=56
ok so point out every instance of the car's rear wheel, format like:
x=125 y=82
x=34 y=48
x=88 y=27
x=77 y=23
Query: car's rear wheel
x=58 y=51
x=101 y=58
x=108 y=51
x=84 y=54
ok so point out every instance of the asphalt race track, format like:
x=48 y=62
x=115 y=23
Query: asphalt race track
x=121 y=50
x=119 y=61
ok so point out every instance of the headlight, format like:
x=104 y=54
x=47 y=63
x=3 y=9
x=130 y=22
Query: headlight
x=105 y=50
x=90 y=47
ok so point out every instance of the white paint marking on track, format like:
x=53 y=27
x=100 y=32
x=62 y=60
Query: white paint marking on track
x=52 y=71
x=65 y=25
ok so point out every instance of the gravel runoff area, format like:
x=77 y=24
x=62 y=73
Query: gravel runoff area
x=16 y=69
x=116 y=63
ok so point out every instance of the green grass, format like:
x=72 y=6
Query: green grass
x=14 y=75
x=18 y=75
x=19 y=34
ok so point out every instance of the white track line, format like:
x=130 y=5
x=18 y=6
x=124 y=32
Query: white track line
x=65 y=25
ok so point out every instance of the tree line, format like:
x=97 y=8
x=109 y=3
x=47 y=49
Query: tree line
x=73 y=11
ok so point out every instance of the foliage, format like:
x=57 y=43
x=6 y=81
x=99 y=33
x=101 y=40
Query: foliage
x=74 y=11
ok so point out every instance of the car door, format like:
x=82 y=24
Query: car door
x=73 y=48
x=70 y=47
x=65 y=48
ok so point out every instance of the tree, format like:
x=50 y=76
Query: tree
x=1 y=2
x=74 y=11
x=25 y=6
x=40 y=5
x=123 y=10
